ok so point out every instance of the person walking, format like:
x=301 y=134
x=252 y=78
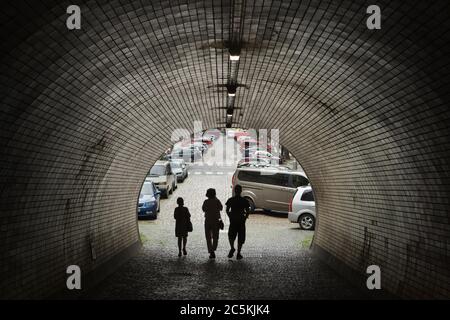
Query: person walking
x=212 y=207
x=182 y=223
x=237 y=209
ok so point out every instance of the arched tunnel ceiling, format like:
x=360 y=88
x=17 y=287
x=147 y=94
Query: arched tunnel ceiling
x=86 y=112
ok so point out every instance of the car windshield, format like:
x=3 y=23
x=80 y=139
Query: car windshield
x=147 y=189
x=158 y=170
x=175 y=165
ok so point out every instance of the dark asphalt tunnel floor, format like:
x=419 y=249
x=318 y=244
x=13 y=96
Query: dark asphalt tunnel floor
x=277 y=263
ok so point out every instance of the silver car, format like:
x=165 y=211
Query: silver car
x=162 y=176
x=179 y=168
x=303 y=208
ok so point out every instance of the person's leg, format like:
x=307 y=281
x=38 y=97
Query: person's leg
x=239 y=249
x=208 y=237
x=241 y=240
x=231 y=239
x=231 y=236
x=184 y=245
x=209 y=241
x=179 y=246
x=215 y=235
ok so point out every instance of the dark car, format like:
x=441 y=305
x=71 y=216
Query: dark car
x=148 y=205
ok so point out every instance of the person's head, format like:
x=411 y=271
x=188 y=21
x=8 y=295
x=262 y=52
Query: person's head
x=180 y=201
x=211 y=193
x=237 y=190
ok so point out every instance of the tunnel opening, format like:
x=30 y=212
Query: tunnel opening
x=273 y=182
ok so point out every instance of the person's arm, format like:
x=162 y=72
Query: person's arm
x=204 y=206
x=228 y=208
x=247 y=209
x=175 y=216
x=188 y=213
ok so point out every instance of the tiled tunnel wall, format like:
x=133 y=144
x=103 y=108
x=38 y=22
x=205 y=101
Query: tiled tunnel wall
x=85 y=113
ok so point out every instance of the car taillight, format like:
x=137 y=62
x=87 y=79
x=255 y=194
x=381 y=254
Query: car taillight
x=233 y=180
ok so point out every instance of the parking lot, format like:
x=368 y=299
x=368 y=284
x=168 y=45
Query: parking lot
x=277 y=263
x=213 y=172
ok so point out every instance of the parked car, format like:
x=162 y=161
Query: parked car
x=214 y=134
x=231 y=133
x=162 y=176
x=271 y=160
x=248 y=150
x=247 y=162
x=149 y=200
x=208 y=139
x=166 y=157
x=269 y=188
x=203 y=147
x=187 y=154
x=246 y=138
x=261 y=154
x=302 y=209
x=179 y=168
x=238 y=134
x=196 y=147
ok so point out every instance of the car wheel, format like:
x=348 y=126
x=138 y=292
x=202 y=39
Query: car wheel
x=171 y=191
x=252 y=205
x=307 y=221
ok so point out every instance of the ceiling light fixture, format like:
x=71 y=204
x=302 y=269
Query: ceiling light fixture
x=234 y=57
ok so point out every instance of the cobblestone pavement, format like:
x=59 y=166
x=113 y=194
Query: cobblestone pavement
x=277 y=261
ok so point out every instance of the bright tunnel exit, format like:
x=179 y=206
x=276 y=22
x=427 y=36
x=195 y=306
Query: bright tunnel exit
x=277 y=190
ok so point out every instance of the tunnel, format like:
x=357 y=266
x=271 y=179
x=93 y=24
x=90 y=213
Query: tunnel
x=85 y=112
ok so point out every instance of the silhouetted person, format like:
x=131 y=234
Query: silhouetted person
x=237 y=211
x=183 y=218
x=212 y=207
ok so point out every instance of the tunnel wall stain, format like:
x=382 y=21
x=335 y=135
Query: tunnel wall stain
x=365 y=112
